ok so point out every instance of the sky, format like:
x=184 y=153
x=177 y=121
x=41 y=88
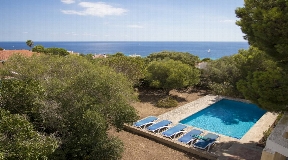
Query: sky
x=120 y=20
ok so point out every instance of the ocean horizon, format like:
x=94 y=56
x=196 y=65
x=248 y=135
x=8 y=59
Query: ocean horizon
x=202 y=49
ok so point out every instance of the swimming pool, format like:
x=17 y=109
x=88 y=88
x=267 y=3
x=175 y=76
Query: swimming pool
x=226 y=117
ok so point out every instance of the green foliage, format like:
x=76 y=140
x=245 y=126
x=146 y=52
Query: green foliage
x=264 y=25
x=262 y=81
x=224 y=88
x=30 y=43
x=185 y=58
x=87 y=56
x=134 y=68
x=50 y=51
x=91 y=141
x=252 y=60
x=22 y=97
x=118 y=54
x=170 y=74
x=20 y=141
x=268 y=89
x=1 y=49
x=167 y=102
x=206 y=60
x=250 y=74
x=222 y=75
x=267 y=133
x=38 y=49
x=56 y=51
x=74 y=99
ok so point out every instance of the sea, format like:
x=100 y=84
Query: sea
x=212 y=50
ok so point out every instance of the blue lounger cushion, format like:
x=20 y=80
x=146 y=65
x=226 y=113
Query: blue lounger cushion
x=206 y=141
x=190 y=137
x=174 y=131
x=144 y=122
x=157 y=127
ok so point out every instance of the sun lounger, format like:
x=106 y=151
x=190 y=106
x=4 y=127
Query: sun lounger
x=157 y=127
x=190 y=137
x=206 y=141
x=174 y=131
x=145 y=122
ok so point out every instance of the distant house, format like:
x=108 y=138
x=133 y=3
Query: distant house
x=201 y=65
x=72 y=52
x=99 y=56
x=134 y=55
x=5 y=54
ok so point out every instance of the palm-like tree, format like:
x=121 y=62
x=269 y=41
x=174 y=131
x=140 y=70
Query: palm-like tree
x=30 y=43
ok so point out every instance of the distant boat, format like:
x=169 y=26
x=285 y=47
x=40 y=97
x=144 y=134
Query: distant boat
x=208 y=50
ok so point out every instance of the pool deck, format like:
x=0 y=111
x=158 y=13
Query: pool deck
x=253 y=135
x=226 y=147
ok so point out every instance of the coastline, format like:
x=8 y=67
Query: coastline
x=143 y=48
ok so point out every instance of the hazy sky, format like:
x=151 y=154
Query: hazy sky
x=119 y=20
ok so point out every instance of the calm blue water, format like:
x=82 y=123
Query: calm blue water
x=200 y=49
x=226 y=117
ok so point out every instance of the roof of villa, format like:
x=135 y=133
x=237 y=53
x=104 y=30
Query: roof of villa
x=5 y=54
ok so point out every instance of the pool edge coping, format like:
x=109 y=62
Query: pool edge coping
x=254 y=134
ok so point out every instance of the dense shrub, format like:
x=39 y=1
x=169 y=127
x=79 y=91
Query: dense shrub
x=68 y=97
x=134 y=68
x=167 y=102
x=184 y=57
x=38 y=49
x=19 y=140
x=170 y=74
x=56 y=51
x=206 y=60
x=50 y=51
x=222 y=75
x=267 y=133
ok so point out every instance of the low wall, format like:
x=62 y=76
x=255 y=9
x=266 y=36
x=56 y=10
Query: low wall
x=171 y=143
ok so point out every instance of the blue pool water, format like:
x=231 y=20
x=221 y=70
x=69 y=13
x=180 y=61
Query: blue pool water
x=226 y=117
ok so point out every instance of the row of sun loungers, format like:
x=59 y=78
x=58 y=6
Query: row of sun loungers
x=190 y=138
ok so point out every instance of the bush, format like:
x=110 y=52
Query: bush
x=1 y=49
x=38 y=49
x=206 y=60
x=68 y=97
x=167 y=102
x=170 y=74
x=224 y=89
x=56 y=51
x=183 y=57
x=134 y=68
x=267 y=133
